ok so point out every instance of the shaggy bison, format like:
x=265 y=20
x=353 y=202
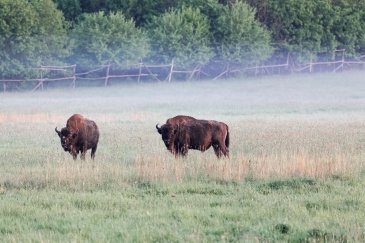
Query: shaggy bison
x=195 y=134
x=79 y=135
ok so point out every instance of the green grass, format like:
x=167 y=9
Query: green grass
x=296 y=170
x=289 y=209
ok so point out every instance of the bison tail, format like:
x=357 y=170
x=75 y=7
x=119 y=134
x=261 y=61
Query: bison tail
x=227 y=139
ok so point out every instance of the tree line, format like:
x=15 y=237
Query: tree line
x=191 y=32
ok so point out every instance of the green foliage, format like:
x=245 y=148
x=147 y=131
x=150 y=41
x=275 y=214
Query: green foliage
x=349 y=26
x=71 y=8
x=309 y=27
x=209 y=8
x=92 y=6
x=142 y=11
x=106 y=39
x=32 y=33
x=239 y=37
x=182 y=35
x=303 y=26
x=191 y=32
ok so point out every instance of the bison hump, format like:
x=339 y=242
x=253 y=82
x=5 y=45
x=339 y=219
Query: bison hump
x=75 y=122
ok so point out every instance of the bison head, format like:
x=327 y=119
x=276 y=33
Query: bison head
x=168 y=134
x=66 y=138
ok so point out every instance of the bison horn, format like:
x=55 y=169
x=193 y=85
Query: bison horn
x=158 y=129
x=58 y=132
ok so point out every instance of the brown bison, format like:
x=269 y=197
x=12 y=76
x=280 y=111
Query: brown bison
x=195 y=134
x=79 y=135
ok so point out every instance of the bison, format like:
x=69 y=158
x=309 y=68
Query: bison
x=79 y=135
x=195 y=134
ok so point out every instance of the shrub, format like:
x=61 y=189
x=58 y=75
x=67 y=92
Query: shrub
x=32 y=33
x=239 y=38
x=108 y=39
x=182 y=35
x=349 y=26
x=302 y=27
x=71 y=8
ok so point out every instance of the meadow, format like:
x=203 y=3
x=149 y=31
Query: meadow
x=296 y=170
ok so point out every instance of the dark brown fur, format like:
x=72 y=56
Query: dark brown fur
x=196 y=134
x=79 y=135
x=75 y=122
x=180 y=119
x=171 y=125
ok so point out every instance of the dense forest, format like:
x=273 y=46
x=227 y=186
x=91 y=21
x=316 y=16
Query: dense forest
x=191 y=32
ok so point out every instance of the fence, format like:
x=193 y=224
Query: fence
x=141 y=70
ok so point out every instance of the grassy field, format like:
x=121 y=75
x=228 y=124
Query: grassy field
x=296 y=170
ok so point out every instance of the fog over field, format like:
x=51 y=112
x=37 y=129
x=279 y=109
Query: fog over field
x=259 y=112
x=299 y=137
x=304 y=94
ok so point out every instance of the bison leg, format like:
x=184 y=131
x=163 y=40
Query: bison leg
x=221 y=149
x=83 y=153
x=184 y=150
x=176 y=150
x=175 y=153
x=93 y=150
x=74 y=152
x=217 y=150
x=226 y=152
x=74 y=155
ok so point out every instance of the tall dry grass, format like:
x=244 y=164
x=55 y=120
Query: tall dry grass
x=280 y=127
x=266 y=149
x=263 y=148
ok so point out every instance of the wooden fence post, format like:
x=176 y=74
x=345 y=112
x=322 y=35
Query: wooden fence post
x=171 y=70
x=74 y=77
x=107 y=75
x=310 y=65
x=139 y=71
x=41 y=78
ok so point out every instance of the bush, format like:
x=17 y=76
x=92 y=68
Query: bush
x=239 y=38
x=108 y=39
x=302 y=27
x=71 y=8
x=312 y=26
x=182 y=35
x=349 y=26
x=32 y=33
